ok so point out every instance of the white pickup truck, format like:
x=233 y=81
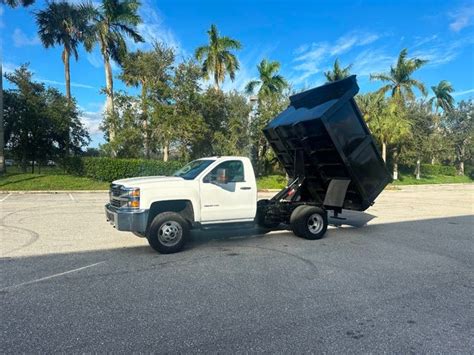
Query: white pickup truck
x=320 y=140
x=213 y=191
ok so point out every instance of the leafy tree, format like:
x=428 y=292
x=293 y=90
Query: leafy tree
x=226 y=120
x=16 y=3
x=338 y=73
x=127 y=122
x=216 y=57
x=152 y=72
x=190 y=125
x=269 y=82
x=388 y=123
x=62 y=24
x=112 y=21
x=400 y=81
x=268 y=107
x=420 y=144
x=460 y=127
x=41 y=123
x=233 y=137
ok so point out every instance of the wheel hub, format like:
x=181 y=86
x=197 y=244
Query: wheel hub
x=315 y=223
x=170 y=233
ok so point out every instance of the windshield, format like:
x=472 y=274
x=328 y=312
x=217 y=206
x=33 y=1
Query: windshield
x=193 y=169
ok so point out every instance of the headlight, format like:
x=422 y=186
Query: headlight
x=132 y=195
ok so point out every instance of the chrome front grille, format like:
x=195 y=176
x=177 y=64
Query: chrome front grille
x=115 y=193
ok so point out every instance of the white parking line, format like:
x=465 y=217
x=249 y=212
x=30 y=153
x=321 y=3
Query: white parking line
x=7 y=196
x=72 y=198
x=50 y=277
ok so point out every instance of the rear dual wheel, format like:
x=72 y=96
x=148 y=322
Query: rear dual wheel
x=309 y=222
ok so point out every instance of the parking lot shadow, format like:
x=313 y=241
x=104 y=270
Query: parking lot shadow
x=350 y=219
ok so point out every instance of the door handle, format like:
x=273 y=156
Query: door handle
x=245 y=188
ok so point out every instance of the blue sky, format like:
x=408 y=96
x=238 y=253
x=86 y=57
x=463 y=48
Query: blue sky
x=305 y=37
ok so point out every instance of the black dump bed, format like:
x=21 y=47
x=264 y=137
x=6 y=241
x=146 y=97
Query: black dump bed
x=322 y=139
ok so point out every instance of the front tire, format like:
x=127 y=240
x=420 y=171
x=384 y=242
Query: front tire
x=309 y=222
x=168 y=233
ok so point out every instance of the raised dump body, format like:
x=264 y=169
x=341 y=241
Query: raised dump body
x=322 y=140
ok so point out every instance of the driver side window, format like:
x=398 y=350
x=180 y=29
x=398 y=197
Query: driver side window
x=227 y=172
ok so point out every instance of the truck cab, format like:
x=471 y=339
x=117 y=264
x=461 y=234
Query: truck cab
x=207 y=191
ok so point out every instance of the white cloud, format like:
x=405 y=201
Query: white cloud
x=420 y=41
x=61 y=83
x=153 y=29
x=372 y=61
x=312 y=58
x=95 y=59
x=9 y=67
x=441 y=52
x=20 y=39
x=92 y=119
x=462 y=93
x=2 y=24
x=461 y=18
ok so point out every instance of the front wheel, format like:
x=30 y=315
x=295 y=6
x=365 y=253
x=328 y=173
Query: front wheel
x=168 y=233
x=309 y=222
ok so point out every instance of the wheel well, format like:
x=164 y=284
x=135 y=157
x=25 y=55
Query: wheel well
x=183 y=207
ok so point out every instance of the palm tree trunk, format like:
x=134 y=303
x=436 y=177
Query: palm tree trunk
x=166 y=150
x=418 y=169
x=109 y=104
x=395 y=164
x=216 y=81
x=67 y=79
x=461 y=160
x=145 y=122
x=67 y=73
x=2 y=141
x=384 y=151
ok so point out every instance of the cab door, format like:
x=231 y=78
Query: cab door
x=227 y=194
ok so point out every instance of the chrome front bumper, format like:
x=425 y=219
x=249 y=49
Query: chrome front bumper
x=126 y=219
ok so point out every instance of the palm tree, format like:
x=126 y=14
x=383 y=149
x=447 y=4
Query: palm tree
x=112 y=21
x=338 y=73
x=442 y=100
x=270 y=82
x=16 y=3
x=62 y=24
x=442 y=96
x=216 y=57
x=400 y=81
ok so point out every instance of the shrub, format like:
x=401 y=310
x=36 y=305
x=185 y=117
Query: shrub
x=272 y=182
x=73 y=165
x=432 y=170
x=109 y=169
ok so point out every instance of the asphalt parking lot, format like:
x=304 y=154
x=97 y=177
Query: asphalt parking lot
x=402 y=283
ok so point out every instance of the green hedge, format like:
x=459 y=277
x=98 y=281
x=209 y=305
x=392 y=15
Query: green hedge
x=431 y=170
x=109 y=169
